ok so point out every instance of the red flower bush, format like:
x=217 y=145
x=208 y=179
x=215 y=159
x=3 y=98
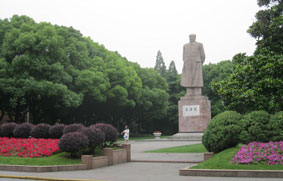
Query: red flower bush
x=32 y=147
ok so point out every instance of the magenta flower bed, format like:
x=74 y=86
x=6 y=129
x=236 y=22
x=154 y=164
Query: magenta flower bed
x=32 y=147
x=256 y=152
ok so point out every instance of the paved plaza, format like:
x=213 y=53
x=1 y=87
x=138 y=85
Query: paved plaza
x=140 y=171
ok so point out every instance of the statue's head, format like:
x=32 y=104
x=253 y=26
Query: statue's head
x=192 y=37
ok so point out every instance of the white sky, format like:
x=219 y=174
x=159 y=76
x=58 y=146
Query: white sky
x=137 y=29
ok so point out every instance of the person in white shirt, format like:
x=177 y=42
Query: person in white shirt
x=126 y=133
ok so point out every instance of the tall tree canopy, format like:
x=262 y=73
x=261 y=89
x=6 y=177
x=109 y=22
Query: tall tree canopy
x=257 y=81
x=159 y=64
x=55 y=73
x=267 y=28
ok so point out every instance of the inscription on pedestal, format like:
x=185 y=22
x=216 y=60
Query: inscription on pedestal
x=191 y=110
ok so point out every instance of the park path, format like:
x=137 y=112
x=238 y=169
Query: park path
x=139 y=171
x=139 y=148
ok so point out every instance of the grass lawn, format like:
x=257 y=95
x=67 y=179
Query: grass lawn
x=195 y=148
x=57 y=159
x=223 y=160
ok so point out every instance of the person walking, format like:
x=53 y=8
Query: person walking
x=126 y=133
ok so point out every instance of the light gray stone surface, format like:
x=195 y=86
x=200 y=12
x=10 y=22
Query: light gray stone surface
x=193 y=57
x=187 y=136
x=194 y=123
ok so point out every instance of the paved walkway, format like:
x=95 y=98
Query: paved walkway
x=140 y=171
x=139 y=148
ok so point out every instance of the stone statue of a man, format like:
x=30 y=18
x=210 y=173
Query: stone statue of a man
x=193 y=57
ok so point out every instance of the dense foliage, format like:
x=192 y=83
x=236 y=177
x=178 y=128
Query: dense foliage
x=96 y=137
x=255 y=84
x=73 y=143
x=22 y=130
x=56 y=74
x=267 y=28
x=6 y=130
x=255 y=127
x=229 y=129
x=222 y=132
x=276 y=126
x=110 y=132
x=257 y=81
x=73 y=128
x=56 y=131
x=40 y=131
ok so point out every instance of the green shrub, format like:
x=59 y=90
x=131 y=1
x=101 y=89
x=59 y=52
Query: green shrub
x=255 y=127
x=276 y=126
x=222 y=132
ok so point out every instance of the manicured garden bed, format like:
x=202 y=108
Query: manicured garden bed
x=223 y=160
x=195 y=148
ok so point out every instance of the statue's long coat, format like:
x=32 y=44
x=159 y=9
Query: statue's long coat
x=193 y=57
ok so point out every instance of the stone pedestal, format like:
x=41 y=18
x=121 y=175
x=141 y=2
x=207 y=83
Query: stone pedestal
x=194 y=116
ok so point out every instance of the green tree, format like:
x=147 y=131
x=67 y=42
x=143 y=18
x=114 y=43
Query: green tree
x=255 y=84
x=153 y=104
x=175 y=91
x=160 y=65
x=36 y=78
x=213 y=73
x=267 y=28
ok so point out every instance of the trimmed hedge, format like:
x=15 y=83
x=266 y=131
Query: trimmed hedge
x=56 y=131
x=222 y=132
x=22 y=130
x=95 y=136
x=6 y=130
x=73 y=143
x=40 y=131
x=255 y=127
x=111 y=133
x=73 y=128
x=276 y=126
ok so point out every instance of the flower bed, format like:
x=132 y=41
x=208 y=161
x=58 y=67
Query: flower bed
x=256 y=152
x=31 y=147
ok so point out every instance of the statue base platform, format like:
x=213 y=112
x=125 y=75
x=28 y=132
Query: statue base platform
x=194 y=114
x=187 y=136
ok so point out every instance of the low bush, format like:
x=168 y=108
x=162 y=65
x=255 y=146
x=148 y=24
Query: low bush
x=95 y=137
x=222 y=132
x=276 y=126
x=56 y=131
x=40 y=131
x=73 y=128
x=111 y=133
x=255 y=127
x=73 y=143
x=6 y=130
x=22 y=130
